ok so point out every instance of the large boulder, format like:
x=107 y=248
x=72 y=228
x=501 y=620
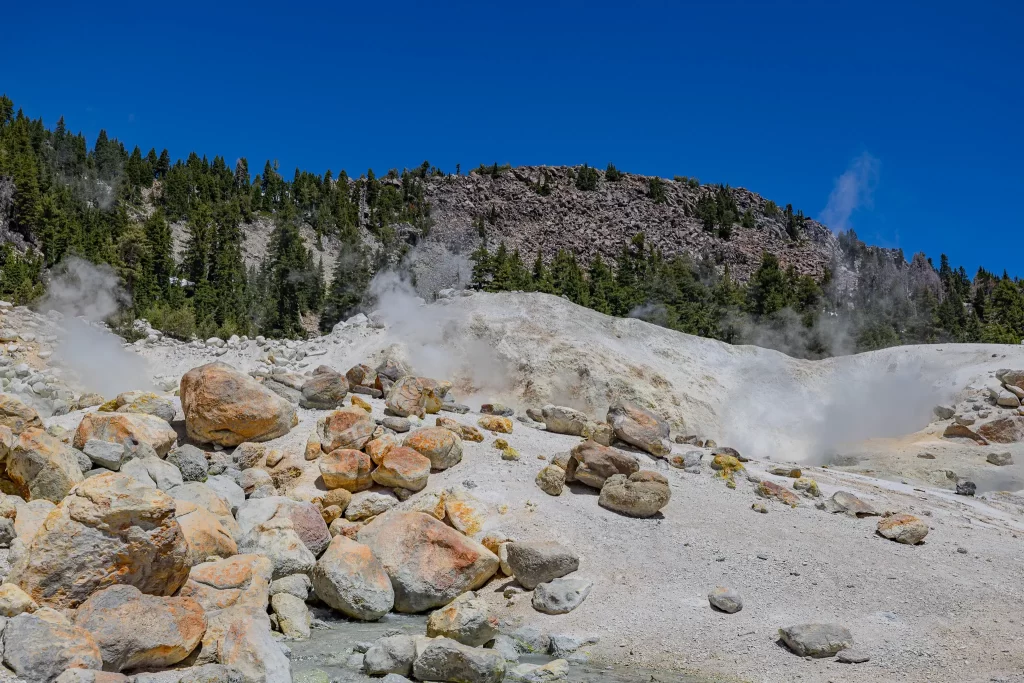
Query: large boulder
x=17 y=415
x=137 y=631
x=439 y=445
x=444 y=659
x=111 y=530
x=241 y=580
x=190 y=461
x=404 y=468
x=126 y=427
x=346 y=468
x=30 y=518
x=41 y=467
x=1009 y=429
x=240 y=637
x=206 y=497
x=324 y=391
x=467 y=619
x=428 y=562
x=277 y=540
x=41 y=645
x=390 y=655
x=536 y=563
x=640 y=427
x=351 y=580
x=345 y=428
x=205 y=535
x=563 y=420
x=591 y=463
x=642 y=494
x=305 y=518
x=416 y=396
x=154 y=472
x=145 y=402
x=226 y=407
x=293 y=617
x=14 y=601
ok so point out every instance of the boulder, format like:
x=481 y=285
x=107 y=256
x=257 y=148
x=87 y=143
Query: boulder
x=14 y=601
x=41 y=645
x=403 y=468
x=146 y=402
x=153 y=472
x=852 y=505
x=205 y=535
x=642 y=494
x=496 y=423
x=464 y=511
x=324 y=391
x=816 y=640
x=367 y=504
x=591 y=463
x=563 y=420
x=293 y=618
x=444 y=659
x=555 y=670
x=407 y=396
x=137 y=631
x=226 y=407
x=1009 y=429
x=999 y=459
x=111 y=530
x=769 y=489
x=105 y=453
x=561 y=596
x=441 y=446
x=346 y=468
x=206 y=497
x=277 y=540
x=551 y=480
x=190 y=461
x=429 y=563
x=396 y=424
x=351 y=580
x=906 y=529
x=381 y=446
x=466 y=619
x=726 y=600
x=93 y=676
x=122 y=428
x=305 y=518
x=536 y=563
x=298 y=585
x=240 y=637
x=390 y=655
x=17 y=415
x=241 y=580
x=30 y=518
x=225 y=486
x=345 y=428
x=361 y=375
x=42 y=467
x=639 y=427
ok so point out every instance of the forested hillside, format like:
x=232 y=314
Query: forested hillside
x=706 y=259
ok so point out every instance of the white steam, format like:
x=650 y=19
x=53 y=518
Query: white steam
x=86 y=294
x=854 y=189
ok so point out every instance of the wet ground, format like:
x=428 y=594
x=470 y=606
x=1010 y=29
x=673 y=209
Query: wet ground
x=333 y=645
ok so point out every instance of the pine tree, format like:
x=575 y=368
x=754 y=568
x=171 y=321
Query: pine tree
x=567 y=278
x=768 y=291
x=286 y=267
x=601 y=280
x=540 y=276
x=349 y=280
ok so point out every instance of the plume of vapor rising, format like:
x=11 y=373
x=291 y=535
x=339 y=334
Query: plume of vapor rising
x=855 y=188
x=86 y=294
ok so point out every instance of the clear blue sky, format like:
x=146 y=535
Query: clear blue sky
x=923 y=99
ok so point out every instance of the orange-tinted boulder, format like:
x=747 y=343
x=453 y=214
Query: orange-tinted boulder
x=591 y=463
x=346 y=468
x=441 y=446
x=122 y=427
x=403 y=468
x=17 y=415
x=242 y=580
x=205 y=535
x=42 y=467
x=496 y=423
x=345 y=428
x=465 y=432
x=379 y=447
x=351 y=580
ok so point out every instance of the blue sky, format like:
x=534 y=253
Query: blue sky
x=912 y=109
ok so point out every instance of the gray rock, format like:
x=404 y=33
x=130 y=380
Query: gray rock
x=816 y=640
x=999 y=459
x=455 y=408
x=277 y=540
x=7 y=532
x=531 y=640
x=726 y=600
x=307 y=520
x=642 y=494
x=853 y=657
x=396 y=424
x=351 y=580
x=966 y=488
x=688 y=461
x=390 y=655
x=466 y=619
x=253 y=478
x=84 y=463
x=561 y=595
x=944 y=412
x=536 y=563
x=154 y=472
x=312 y=676
x=564 y=645
x=190 y=461
x=105 y=454
x=395 y=678
x=444 y=659
x=41 y=645
x=293 y=617
x=556 y=670
x=228 y=490
x=298 y=585
x=506 y=647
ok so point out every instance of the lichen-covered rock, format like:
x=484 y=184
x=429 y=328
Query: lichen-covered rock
x=293 y=617
x=41 y=467
x=351 y=580
x=138 y=631
x=41 y=645
x=640 y=427
x=441 y=446
x=346 y=468
x=466 y=619
x=464 y=511
x=403 y=468
x=591 y=463
x=190 y=461
x=226 y=407
x=551 y=480
x=126 y=427
x=642 y=494
x=111 y=530
x=324 y=391
x=428 y=562
x=146 y=402
x=906 y=529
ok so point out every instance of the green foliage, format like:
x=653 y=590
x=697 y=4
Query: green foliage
x=586 y=179
x=771 y=209
x=656 y=190
x=494 y=170
x=612 y=174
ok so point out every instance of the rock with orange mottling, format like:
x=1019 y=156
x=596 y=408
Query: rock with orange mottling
x=240 y=637
x=337 y=497
x=313 y=448
x=205 y=535
x=242 y=580
x=345 y=527
x=361 y=375
x=768 y=489
x=110 y=530
x=496 y=423
x=41 y=467
x=441 y=446
x=1009 y=429
x=381 y=446
x=345 y=428
x=346 y=468
x=125 y=427
x=137 y=631
x=41 y=645
x=227 y=407
x=14 y=601
x=465 y=432
x=906 y=529
x=17 y=415
x=467 y=619
x=368 y=504
x=30 y=518
x=429 y=503
x=639 y=427
x=591 y=463
x=958 y=431
x=403 y=468
x=408 y=396
x=351 y=580
x=465 y=512
x=641 y=494
x=428 y=562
